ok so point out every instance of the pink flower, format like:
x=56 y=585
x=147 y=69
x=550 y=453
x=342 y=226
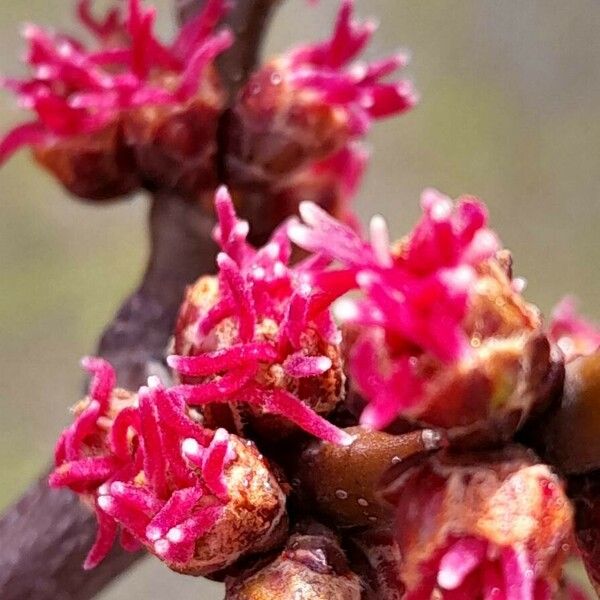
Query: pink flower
x=98 y=96
x=322 y=69
x=574 y=335
x=304 y=112
x=481 y=526
x=259 y=335
x=427 y=303
x=171 y=485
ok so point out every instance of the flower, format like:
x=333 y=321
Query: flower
x=98 y=111
x=258 y=335
x=571 y=333
x=198 y=499
x=444 y=337
x=303 y=113
x=96 y=447
x=497 y=525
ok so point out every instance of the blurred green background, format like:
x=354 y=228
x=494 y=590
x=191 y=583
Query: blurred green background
x=510 y=112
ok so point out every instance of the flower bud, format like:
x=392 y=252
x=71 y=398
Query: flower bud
x=306 y=104
x=468 y=525
x=255 y=351
x=312 y=567
x=442 y=335
x=131 y=112
x=197 y=499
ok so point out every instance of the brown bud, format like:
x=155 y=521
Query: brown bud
x=311 y=567
x=570 y=436
x=342 y=481
x=489 y=398
x=277 y=128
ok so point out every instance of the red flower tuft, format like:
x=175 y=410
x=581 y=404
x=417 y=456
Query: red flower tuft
x=94 y=102
x=297 y=122
x=168 y=483
x=75 y=90
x=425 y=298
x=481 y=527
x=260 y=334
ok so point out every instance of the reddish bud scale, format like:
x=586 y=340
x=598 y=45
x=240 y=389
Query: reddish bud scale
x=133 y=112
x=375 y=556
x=250 y=338
x=468 y=525
x=197 y=499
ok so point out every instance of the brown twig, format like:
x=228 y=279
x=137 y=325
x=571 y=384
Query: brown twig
x=46 y=534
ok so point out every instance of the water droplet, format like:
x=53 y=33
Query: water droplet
x=362 y=502
x=275 y=78
x=396 y=460
x=341 y=494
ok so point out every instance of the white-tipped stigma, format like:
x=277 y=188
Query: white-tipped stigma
x=448 y=579
x=175 y=535
x=345 y=310
x=324 y=363
x=380 y=241
x=106 y=503
x=190 y=447
x=154 y=382
x=153 y=534
x=161 y=547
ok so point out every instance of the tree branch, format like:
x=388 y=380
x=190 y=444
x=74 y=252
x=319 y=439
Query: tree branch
x=47 y=533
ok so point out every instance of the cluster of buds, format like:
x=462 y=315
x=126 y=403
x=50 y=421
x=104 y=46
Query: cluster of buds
x=424 y=495
x=395 y=386
x=133 y=112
